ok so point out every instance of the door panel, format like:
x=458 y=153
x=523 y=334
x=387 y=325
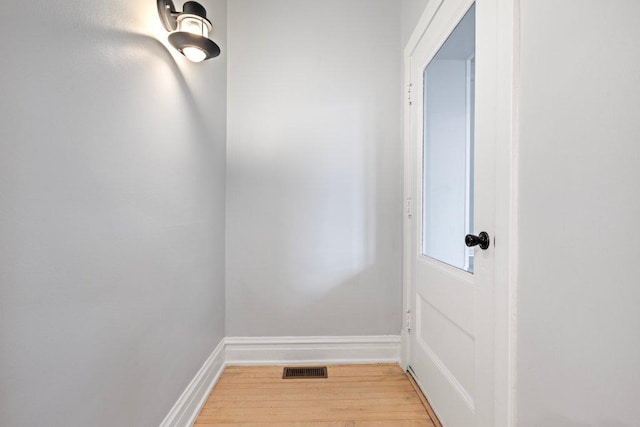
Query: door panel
x=449 y=399
x=449 y=342
x=451 y=291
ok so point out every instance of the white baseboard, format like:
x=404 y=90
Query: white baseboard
x=188 y=406
x=312 y=350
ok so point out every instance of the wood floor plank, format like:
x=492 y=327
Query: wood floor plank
x=328 y=403
x=352 y=395
x=224 y=379
x=269 y=417
x=312 y=391
x=339 y=408
x=302 y=384
x=311 y=396
x=381 y=423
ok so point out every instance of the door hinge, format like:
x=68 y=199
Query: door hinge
x=409 y=207
x=407 y=321
x=409 y=94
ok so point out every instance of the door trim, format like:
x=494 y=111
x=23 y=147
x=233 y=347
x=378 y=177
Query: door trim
x=502 y=306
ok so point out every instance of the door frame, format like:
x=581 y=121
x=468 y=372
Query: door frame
x=502 y=303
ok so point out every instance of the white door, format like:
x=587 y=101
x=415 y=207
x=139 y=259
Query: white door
x=453 y=190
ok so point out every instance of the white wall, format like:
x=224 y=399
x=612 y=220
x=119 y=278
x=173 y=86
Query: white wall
x=112 y=188
x=314 y=205
x=579 y=286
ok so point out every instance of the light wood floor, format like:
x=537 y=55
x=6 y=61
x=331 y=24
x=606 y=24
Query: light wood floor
x=353 y=395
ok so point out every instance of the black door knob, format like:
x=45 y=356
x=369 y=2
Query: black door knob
x=481 y=239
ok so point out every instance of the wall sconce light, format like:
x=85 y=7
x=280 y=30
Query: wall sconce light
x=189 y=30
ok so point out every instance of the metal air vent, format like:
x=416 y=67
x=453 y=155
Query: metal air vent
x=304 y=372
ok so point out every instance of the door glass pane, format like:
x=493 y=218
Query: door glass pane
x=449 y=98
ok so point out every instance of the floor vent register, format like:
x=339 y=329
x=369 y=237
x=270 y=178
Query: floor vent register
x=304 y=372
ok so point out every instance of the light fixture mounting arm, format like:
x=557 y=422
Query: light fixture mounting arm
x=168 y=14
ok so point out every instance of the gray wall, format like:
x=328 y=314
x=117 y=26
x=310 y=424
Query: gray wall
x=579 y=286
x=112 y=188
x=314 y=206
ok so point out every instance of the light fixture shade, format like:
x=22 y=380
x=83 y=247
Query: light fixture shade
x=189 y=30
x=182 y=41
